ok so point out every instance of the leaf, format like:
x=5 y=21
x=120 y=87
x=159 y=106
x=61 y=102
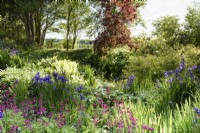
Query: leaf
x=87 y=131
x=48 y=130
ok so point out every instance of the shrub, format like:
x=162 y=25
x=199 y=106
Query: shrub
x=155 y=47
x=144 y=67
x=4 y=59
x=114 y=63
x=25 y=73
x=16 y=61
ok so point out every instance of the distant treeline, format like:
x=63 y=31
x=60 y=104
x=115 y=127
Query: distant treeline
x=81 y=41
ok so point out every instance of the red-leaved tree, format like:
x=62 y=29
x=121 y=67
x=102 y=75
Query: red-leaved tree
x=116 y=15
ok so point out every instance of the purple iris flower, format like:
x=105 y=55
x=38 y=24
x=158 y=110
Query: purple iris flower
x=1 y=114
x=197 y=111
x=130 y=81
x=62 y=79
x=79 y=88
x=81 y=96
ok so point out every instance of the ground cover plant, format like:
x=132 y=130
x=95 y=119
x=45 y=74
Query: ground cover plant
x=53 y=94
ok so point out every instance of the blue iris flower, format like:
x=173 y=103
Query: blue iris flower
x=62 y=79
x=130 y=81
x=1 y=114
x=167 y=73
x=55 y=74
x=47 y=79
x=81 y=96
x=79 y=88
x=182 y=64
x=177 y=71
x=197 y=111
x=36 y=78
x=16 y=81
x=171 y=80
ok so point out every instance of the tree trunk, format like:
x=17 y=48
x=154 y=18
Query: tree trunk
x=74 y=35
x=43 y=36
x=74 y=42
x=38 y=27
x=68 y=27
x=29 y=28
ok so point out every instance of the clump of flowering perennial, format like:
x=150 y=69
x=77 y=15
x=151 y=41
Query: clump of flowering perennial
x=176 y=74
x=38 y=79
x=1 y=114
x=168 y=73
x=8 y=101
x=79 y=88
x=14 y=52
x=59 y=77
x=183 y=81
x=120 y=124
x=197 y=111
x=128 y=124
x=14 y=129
x=130 y=81
x=177 y=71
x=61 y=120
x=145 y=127
x=82 y=96
x=47 y=79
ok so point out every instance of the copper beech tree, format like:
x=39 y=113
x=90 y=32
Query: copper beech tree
x=116 y=14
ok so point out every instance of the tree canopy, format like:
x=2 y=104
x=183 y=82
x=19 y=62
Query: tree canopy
x=115 y=16
x=167 y=27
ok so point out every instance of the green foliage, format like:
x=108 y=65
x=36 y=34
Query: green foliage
x=114 y=63
x=72 y=12
x=16 y=61
x=183 y=84
x=193 y=23
x=20 y=90
x=155 y=57
x=24 y=74
x=167 y=27
x=65 y=66
x=4 y=59
x=151 y=66
x=191 y=55
x=11 y=30
x=11 y=119
x=151 y=101
x=186 y=119
x=89 y=74
x=154 y=47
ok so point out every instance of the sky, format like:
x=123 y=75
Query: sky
x=158 y=8
x=152 y=11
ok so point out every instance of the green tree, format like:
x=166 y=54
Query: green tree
x=193 y=23
x=37 y=16
x=168 y=28
x=10 y=29
x=75 y=18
